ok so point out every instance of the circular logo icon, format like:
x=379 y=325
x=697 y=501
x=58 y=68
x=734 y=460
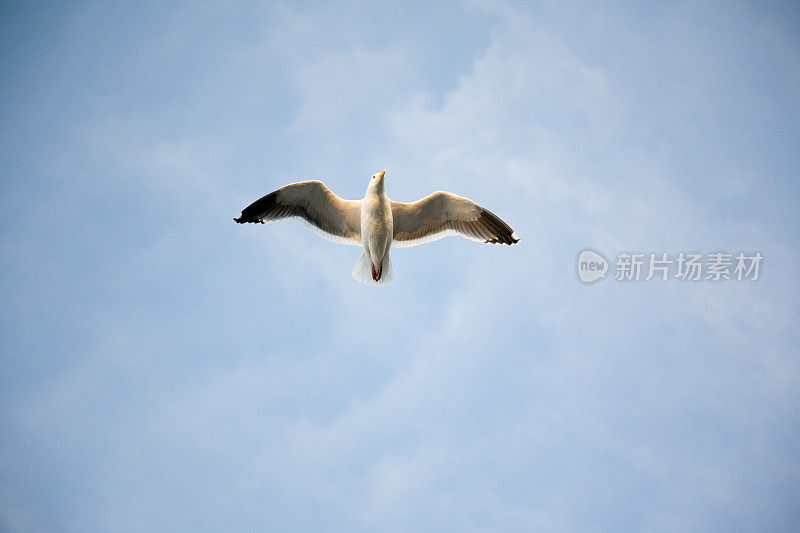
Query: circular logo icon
x=591 y=266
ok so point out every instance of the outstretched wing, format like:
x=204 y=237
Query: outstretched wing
x=442 y=214
x=332 y=217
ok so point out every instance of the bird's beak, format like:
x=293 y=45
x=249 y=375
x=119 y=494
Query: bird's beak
x=382 y=173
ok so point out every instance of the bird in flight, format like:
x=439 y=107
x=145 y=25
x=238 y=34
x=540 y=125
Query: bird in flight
x=377 y=223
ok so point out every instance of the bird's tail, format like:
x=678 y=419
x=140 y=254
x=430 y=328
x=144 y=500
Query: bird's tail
x=363 y=271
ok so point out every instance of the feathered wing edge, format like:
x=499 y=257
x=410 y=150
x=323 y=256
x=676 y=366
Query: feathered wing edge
x=443 y=214
x=323 y=212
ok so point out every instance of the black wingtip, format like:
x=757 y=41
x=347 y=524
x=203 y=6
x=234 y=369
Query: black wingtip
x=510 y=241
x=255 y=212
x=243 y=218
x=503 y=234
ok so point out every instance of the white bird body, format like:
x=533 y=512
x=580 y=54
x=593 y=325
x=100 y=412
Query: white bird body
x=377 y=223
x=376 y=226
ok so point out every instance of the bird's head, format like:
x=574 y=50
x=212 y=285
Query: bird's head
x=376 y=182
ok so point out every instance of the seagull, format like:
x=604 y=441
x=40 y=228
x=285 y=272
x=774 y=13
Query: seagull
x=377 y=223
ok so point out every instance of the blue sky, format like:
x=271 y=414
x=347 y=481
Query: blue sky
x=166 y=369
